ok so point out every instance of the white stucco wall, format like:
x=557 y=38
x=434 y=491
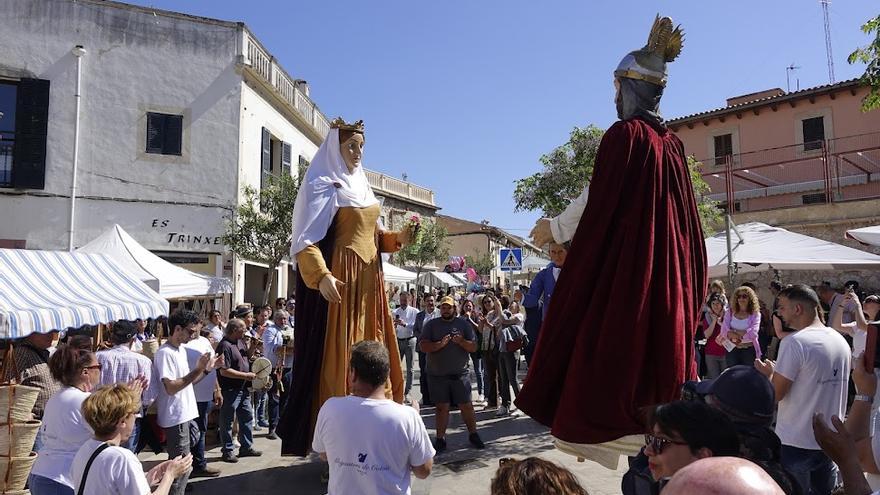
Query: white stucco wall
x=136 y=62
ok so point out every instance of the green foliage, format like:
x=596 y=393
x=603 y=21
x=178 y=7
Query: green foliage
x=568 y=169
x=870 y=55
x=429 y=246
x=261 y=228
x=482 y=264
x=710 y=214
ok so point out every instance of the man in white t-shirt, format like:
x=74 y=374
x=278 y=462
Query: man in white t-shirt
x=374 y=453
x=404 y=322
x=207 y=392
x=810 y=376
x=176 y=400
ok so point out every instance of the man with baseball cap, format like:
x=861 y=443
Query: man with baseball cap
x=448 y=342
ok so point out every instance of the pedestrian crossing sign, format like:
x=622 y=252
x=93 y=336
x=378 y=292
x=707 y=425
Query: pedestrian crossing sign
x=511 y=260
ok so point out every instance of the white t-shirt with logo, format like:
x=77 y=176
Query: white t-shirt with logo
x=116 y=470
x=371 y=445
x=204 y=389
x=171 y=363
x=817 y=360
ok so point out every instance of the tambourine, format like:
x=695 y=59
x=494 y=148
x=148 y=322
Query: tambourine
x=261 y=367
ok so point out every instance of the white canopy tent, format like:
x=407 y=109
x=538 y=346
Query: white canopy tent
x=866 y=235
x=42 y=291
x=438 y=279
x=170 y=281
x=534 y=263
x=396 y=274
x=763 y=247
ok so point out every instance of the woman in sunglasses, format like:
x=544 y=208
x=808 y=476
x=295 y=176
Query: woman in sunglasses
x=64 y=429
x=741 y=326
x=682 y=432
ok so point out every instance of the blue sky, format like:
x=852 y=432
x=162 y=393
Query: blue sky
x=465 y=96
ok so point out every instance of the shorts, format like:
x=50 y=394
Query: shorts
x=450 y=389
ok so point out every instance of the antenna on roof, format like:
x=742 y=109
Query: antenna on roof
x=788 y=70
x=827 y=20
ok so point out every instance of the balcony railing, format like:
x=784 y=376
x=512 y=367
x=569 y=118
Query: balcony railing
x=382 y=183
x=840 y=169
x=264 y=65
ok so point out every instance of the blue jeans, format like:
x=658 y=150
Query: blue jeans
x=198 y=447
x=477 y=359
x=236 y=403
x=815 y=472
x=44 y=486
x=273 y=403
x=259 y=402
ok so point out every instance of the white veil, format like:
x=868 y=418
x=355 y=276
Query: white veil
x=327 y=186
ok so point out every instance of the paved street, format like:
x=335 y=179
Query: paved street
x=460 y=470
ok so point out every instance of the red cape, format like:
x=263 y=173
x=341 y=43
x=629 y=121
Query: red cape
x=619 y=333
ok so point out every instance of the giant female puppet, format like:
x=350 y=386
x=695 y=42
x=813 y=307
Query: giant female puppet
x=619 y=332
x=339 y=288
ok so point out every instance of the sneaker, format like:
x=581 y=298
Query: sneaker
x=502 y=411
x=257 y=427
x=229 y=457
x=476 y=441
x=481 y=399
x=489 y=407
x=440 y=445
x=249 y=453
x=205 y=472
x=272 y=435
x=263 y=424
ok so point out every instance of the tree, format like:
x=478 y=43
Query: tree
x=568 y=169
x=262 y=226
x=429 y=246
x=870 y=55
x=482 y=264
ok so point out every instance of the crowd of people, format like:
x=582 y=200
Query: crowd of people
x=776 y=408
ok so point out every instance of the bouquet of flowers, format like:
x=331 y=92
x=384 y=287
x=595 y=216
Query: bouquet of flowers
x=413 y=224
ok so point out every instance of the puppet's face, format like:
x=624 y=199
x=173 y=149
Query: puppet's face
x=352 y=149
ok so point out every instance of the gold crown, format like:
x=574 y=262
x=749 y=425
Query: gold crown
x=340 y=123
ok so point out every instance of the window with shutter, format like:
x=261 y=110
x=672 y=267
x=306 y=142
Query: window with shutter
x=164 y=133
x=814 y=133
x=265 y=158
x=723 y=148
x=286 y=157
x=8 y=92
x=31 y=123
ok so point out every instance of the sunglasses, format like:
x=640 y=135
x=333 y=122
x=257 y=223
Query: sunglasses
x=742 y=296
x=658 y=444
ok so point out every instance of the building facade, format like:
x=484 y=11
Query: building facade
x=479 y=239
x=172 y=116
x=807 y=161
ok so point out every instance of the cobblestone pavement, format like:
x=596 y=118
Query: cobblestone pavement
x=460 y=470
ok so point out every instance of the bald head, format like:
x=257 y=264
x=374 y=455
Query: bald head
x=722 y=476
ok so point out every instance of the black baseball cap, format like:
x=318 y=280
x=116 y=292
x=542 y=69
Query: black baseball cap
x=743 y=393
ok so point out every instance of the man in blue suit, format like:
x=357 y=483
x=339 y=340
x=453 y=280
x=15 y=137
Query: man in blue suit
x=540 y=291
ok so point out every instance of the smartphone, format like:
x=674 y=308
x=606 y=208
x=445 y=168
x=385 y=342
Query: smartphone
x=870 y=348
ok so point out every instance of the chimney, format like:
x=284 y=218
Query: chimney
x=302 y=85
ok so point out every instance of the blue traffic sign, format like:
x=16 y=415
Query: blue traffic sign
x=511 y=260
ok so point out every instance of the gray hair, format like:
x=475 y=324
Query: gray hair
x=280 y=314
x=233 y=325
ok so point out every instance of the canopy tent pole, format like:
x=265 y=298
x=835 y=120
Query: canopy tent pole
x=731 y=265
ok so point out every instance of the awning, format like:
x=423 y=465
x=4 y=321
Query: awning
x=771 y=248
x=866 y=235
x=169 y=280
x=437 y=279
x=41 y=291
x=396 y=274
x=534 y=263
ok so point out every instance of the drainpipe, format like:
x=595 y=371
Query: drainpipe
x=78 y=52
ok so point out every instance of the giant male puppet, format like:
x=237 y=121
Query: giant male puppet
x=619 y=332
